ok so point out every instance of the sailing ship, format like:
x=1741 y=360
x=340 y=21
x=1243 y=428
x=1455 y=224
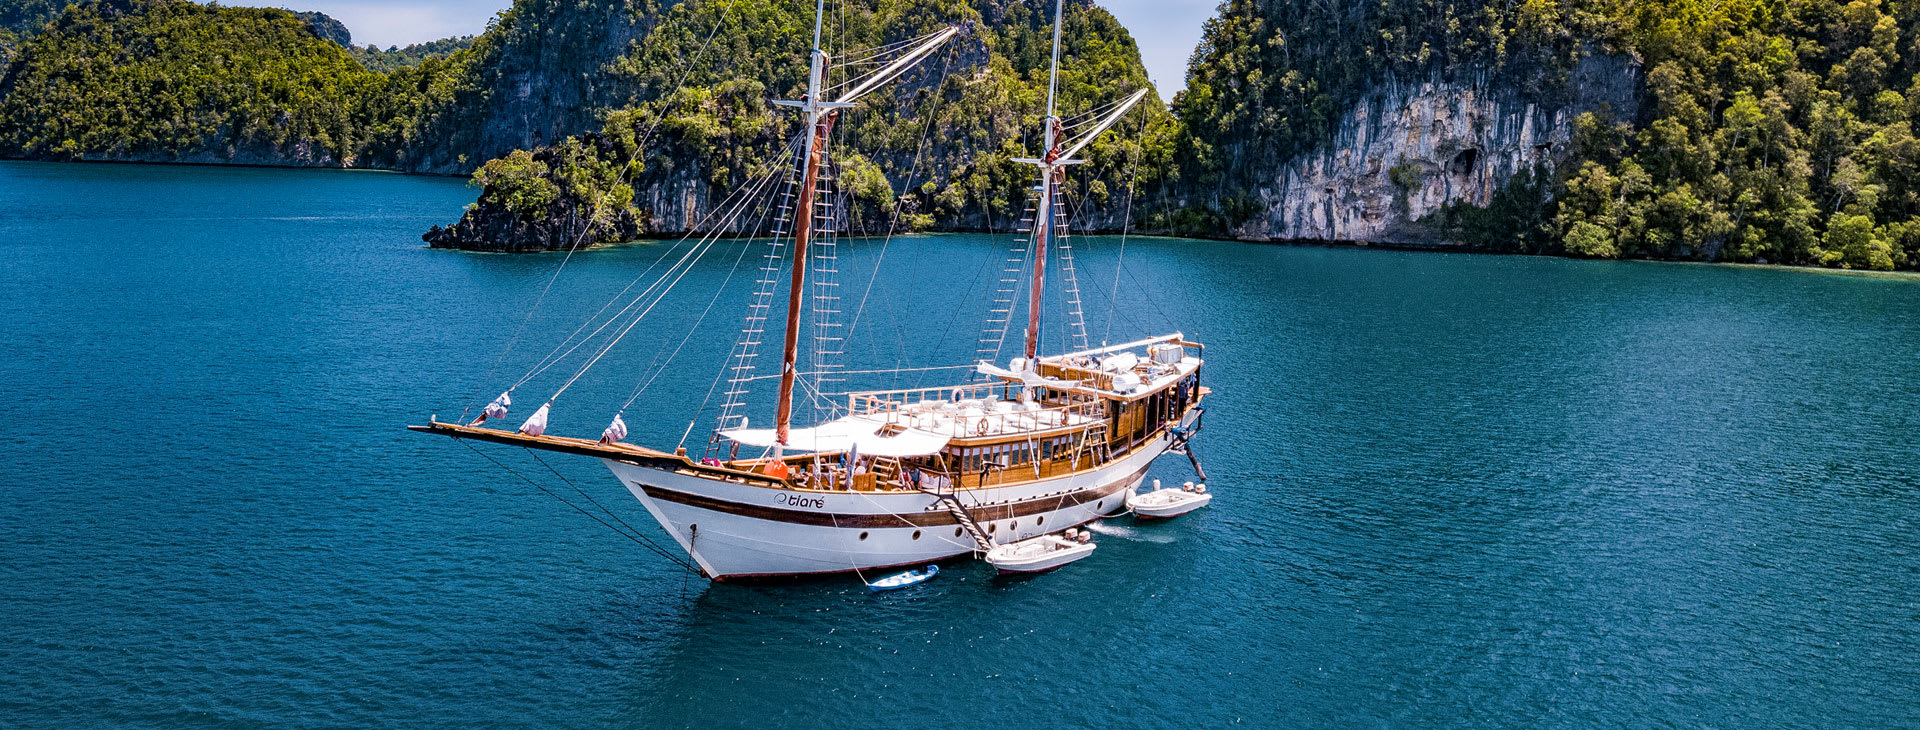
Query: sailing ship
x=906 y=477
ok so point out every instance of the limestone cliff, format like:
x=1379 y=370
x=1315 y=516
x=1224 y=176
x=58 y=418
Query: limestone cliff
x=1409 y=148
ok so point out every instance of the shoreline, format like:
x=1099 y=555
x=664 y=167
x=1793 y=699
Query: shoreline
x=1897 y=274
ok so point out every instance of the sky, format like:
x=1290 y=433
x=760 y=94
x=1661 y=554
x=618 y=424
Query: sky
x=1167 y=30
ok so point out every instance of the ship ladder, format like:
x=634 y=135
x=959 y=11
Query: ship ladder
x=981 y=540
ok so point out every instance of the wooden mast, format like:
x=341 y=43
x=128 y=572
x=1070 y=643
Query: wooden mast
x=1050 y=174
x=1052 y=164
x=819 y=121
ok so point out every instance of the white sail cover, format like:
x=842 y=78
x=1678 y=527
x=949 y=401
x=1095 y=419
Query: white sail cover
x=498 y=408
x=869 y=437
x=615 y=431
x=1026 y=377
x=537 y=423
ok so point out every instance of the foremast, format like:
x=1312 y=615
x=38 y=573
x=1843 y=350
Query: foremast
x=819 y=119
x=820 y=114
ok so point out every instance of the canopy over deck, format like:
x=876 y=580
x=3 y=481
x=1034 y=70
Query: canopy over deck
x=872 y=438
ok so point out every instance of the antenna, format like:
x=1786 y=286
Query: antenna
x=1053 y=76
x=819 y=12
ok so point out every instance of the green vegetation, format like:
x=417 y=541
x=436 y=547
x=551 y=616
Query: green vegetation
x=1772 y=130
x=169 y=79
x=939 y=142
x=1780 y=132
x=1271 y=76
x=1776 y=130
x=20 y=20
x=396 y=57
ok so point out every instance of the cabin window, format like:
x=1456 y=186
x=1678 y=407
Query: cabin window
x=956 y=532
x=863 y=535
x=1041 y=520
x=916 y=534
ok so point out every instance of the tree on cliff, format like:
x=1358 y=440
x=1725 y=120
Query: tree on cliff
x=1773 y=130
x=1780 y=132
x=939 y=143
x=170 y=79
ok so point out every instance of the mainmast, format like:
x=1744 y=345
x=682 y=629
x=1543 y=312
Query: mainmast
x=1051 y=172
x=1052 y=163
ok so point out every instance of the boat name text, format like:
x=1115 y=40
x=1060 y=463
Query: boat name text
x=797 y=500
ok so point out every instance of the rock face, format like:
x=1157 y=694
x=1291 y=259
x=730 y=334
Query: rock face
x=491 y=229
x=1409 y=149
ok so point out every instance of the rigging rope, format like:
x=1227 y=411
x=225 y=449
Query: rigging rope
x=583 y=493
x=684 y=266
x=745 y=193
x=637 y=539
x=717 y=292
x=639 y=144
x=676 y=270
x=1126 y=224
x=907 y=188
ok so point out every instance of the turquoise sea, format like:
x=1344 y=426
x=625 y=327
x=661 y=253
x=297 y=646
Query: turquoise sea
x=1452 y=490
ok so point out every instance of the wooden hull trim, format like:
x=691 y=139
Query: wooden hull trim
x=932 y=518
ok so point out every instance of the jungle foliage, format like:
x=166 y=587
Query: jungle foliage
x=934 y=148
x=1773 y=130
x=179 y=80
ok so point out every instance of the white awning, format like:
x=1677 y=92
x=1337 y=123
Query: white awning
x=873 y=438
x=1026 y=377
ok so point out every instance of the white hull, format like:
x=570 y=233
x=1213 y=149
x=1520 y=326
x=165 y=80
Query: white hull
x=741 y=531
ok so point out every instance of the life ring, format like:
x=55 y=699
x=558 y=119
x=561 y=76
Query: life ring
x=957 y=393
x=981 y=430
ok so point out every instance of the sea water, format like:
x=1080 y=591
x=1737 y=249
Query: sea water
x=1450 y=490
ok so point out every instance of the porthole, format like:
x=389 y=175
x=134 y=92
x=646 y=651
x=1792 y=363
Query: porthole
x=863 y=535
x=956 y=532
x=916 y=534
x=993 y=528
x=1041 y=520
x=1013 y=524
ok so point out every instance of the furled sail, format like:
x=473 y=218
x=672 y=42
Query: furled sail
x=1024 y=375
x=615 y=431
x=536 y=424
x=496 y=409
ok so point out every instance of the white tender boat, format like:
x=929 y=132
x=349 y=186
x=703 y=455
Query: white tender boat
x=1168 y=502
x=1040 y=554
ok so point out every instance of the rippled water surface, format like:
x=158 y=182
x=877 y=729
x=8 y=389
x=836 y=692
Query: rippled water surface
x=1452 y=490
